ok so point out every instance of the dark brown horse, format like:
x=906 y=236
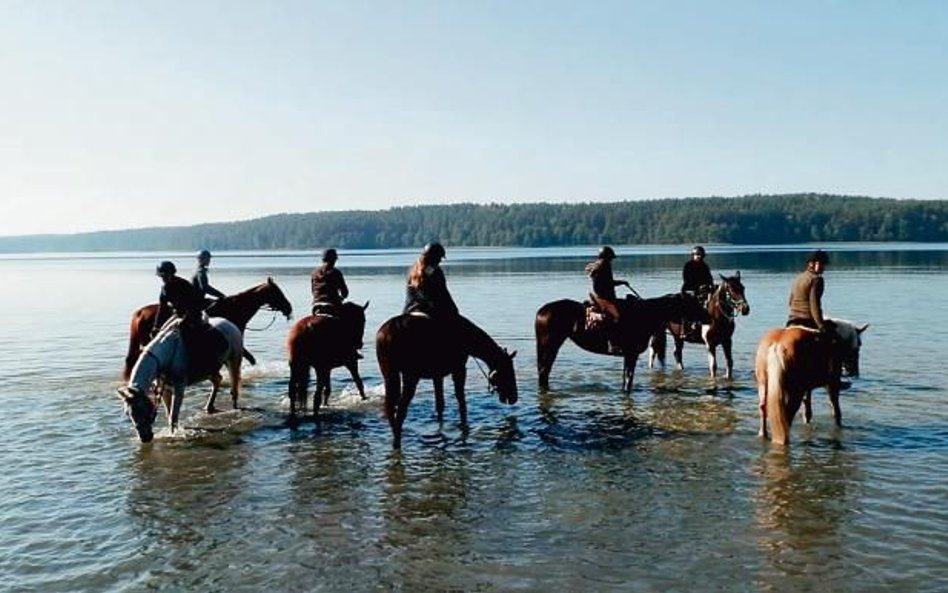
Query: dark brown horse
x=726 y=302
x=639 y=319
x=323 y=342
x=414 y=347
x=793 y=361
x=238 y=309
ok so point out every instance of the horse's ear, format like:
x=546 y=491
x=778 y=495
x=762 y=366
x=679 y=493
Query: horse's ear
x=512 y=354
x=270 y=280
x=723 y=277
x=737 y=274
x=365 y=306
x=859 y=330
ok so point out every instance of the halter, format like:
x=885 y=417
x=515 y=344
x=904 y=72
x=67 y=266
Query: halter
x=733 y=306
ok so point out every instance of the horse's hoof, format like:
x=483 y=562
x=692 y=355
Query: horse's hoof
x=210 y=410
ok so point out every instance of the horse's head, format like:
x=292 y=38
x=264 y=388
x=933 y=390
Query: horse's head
x=502 y=378
x=275 y=299
x=849 y=342
x=141 y=410
x=354 y=315
x=733 y=294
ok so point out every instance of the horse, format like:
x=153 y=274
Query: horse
x=639 y=319
x=323 y=342
x=174 y=360
x=792 y=361
x=410 y=347
x=238 y=309
x=725 y=303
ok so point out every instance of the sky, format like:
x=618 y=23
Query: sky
x=117 y=114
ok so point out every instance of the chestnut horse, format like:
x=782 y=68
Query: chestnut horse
x=323 y=342
x=726 y=302
x=792 y=361
x=410 y=347
x=238 y=309
x=177 y=362
x=639 y=319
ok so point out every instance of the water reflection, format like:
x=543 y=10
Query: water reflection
x=801 y=507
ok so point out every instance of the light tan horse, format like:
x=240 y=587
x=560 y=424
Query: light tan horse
x=791 y=362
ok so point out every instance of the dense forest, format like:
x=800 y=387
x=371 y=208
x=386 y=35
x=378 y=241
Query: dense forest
x=758 y=219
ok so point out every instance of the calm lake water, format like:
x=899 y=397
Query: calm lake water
x=577 y=489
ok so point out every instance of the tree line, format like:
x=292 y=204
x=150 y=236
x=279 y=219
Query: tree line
x=747 y=220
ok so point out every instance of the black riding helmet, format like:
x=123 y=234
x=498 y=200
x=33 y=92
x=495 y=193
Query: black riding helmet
x=204 y=254
x=697 y=250
x=433 y=250
x=166 y=268
x=818 y=256
x=330 y=255
x=606 y=252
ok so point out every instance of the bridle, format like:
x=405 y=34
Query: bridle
x=731 y=306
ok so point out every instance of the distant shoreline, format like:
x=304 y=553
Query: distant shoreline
x=750 y=220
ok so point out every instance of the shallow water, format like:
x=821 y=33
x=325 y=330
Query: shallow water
x=580 y=488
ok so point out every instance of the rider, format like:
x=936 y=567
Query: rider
x=427 y=289
x=806 y=294
x=199 y=279
x=178 y=296
x=328 y=285
x=329 y=290
x=604 y=287
x=697 y=282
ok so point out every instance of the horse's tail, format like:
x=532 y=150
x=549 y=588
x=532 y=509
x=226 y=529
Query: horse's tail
x=249 y=357
x=134 y=347
x=777 y=398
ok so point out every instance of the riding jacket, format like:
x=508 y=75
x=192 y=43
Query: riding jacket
x=604 y=284
x=694 y=275
x=431 y=296
x=200 y=282
x=806 y=294
x=182 y=298
x=328 y=286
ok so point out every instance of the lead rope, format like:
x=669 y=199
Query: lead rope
x=267 y=326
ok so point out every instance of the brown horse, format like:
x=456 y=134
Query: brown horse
x=323 y=342
x=238 y=309
x=411 y=347
x=793 y=361
x=639 y=319
x=726 y=302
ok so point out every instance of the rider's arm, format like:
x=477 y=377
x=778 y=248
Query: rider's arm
x=816 y=296
x=343 y=289
x=214 y=292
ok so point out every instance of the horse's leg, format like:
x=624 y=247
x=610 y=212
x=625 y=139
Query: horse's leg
x=299 y=379
x=410 y=383
x=833 y=391
x=321 y=395
x=438 y=383
x=712 y=360
x=353 y=368
x=176 y=400
x=549 y=341
x=808 y=406
x=459 y=378
x=629 y=361
x=679 y=347
x=233 y=369
x=215 y=387
x=728 y=359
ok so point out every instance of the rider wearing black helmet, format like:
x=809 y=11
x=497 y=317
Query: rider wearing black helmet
x=806 y=294
x=604 y=287
x=178 y=296
x=696 y=274
x=427 y=289
x=199 y=279
x=328 y=285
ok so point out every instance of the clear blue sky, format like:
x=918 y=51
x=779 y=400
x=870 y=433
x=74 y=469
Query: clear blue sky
x=117 y=114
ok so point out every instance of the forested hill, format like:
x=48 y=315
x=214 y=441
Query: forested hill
x=774 y=219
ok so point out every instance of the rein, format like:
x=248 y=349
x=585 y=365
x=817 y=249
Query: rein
x=267 y=326
x=490 y=386
x=730 y=306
